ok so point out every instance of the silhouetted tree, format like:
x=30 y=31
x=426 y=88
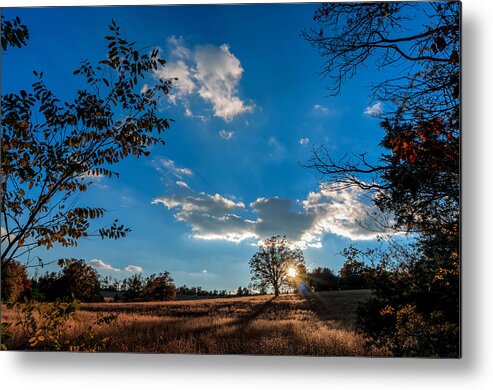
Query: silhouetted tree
x=132 y=287
x=48 y=286
x=270 y=265
x=79 y=280
x=353 y=274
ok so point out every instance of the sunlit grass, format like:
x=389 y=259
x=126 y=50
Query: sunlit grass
x=289 y=325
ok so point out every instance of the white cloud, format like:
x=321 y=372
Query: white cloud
x=185 y=84
x=210 y=216
x=133 y=268
x=4 y=236
x=204 y=271
x=346 y=213
x=96 y=263
x=209 y=72
x=92 y=176
x=321 y=109
x=218 y=73
x=144 y=89
x=277 y=150
x=202 y=202
x=304 y=141
x=376 y=110
x=227 y=135
x=166 y=165
x=178 y=48
x=182 y=184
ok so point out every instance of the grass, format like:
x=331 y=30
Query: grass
x=321 y=324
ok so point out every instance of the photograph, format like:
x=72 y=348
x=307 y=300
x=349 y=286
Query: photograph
x=232 y=179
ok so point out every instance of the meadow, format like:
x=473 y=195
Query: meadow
x=321 y=324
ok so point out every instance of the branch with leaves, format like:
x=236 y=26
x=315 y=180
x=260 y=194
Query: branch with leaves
x=52 y=149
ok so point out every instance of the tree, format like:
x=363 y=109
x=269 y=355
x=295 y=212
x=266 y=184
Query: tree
x=80 y=281
x=271 y=264
x=418 y=179
x=323 y=279
x=132 y=287
x=52 y=149
x=159 y=287
x=348 y=35
x=48 y=286
x=77 y=280
x=15 y=282
x=352 y=275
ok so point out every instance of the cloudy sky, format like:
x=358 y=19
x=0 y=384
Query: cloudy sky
x=249 y=106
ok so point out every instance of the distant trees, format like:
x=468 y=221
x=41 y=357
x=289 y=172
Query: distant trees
x=81 y=281
x=270 y=266
x=136 y=288
x=159 y=287
x=77 y=280
x=243 y=291
x=132 y=287
x=52 y=150
x=322 y=279
x=353 y=274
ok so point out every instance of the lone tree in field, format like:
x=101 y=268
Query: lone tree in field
x=276 y=264
x=53 y=150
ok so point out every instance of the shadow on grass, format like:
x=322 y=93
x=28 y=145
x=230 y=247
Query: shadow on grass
x=336 y=306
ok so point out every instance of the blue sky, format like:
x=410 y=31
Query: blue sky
x=249 y=107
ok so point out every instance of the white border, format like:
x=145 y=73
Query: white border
x=473 y=371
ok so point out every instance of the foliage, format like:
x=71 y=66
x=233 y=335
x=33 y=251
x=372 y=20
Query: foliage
x=159 y=287
x=52 y=150
x=44 y=327
x=132 y=287
x=353 y=274
x=322 y=279
x=77 y=280
x=414 y=309
x=14 y=33
x=15 y=283
x=81 y=281
x=270 y=265
x=199 y=291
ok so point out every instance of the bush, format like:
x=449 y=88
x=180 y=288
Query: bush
x=414 y=306
x=45 y=326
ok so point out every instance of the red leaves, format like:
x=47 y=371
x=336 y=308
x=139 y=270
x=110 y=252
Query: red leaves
x=429 y=143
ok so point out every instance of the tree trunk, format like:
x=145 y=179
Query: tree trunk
x=276 y=290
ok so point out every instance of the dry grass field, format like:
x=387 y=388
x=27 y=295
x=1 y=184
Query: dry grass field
x=321 y=324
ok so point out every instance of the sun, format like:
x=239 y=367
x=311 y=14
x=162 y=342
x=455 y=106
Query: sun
x=292 y=272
